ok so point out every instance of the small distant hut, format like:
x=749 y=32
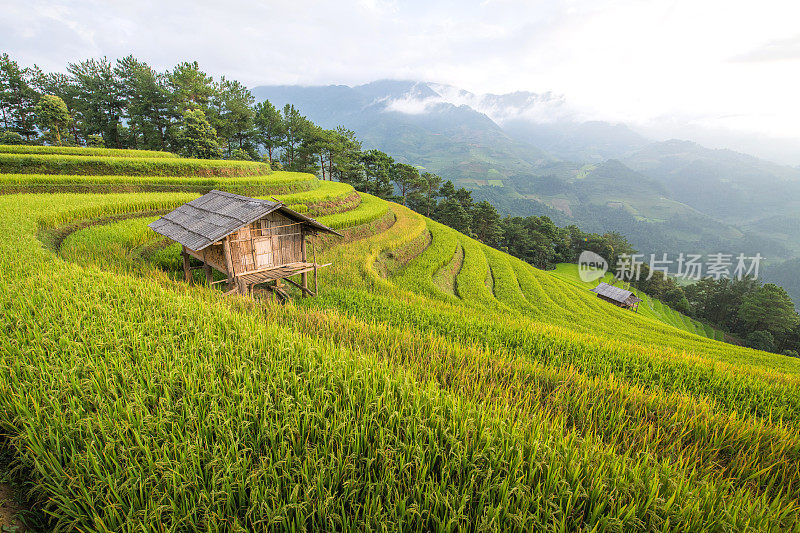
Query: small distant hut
x=251 y=241
x=617 y=296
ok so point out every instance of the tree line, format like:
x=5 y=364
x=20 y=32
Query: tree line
x=128 y=104
x=762 y=315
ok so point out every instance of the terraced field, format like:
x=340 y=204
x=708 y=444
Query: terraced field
x=434 y=383
x=649 y=307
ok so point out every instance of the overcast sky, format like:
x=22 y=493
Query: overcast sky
x=722 y=65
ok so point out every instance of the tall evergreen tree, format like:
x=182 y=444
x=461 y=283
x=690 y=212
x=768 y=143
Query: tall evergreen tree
x=423 y=197
x=293 y=124
x=376 y=173
x=405 y=178
x=63 y=86
x=231 y=113
x=769 y=309
x=149 y=103
x=269 y=129
x=17 y=98
x=197 y=137
x=345 y=162
x=191 y=87
x=486 y=223
x=102 y=106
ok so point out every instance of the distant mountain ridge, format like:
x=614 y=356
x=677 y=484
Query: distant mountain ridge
x=539 y=124
x=409 y=121
x=529 y=153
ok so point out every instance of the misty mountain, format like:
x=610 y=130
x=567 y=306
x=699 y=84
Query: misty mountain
x=591 y=141
x=414 y=124
x=723 y=183
x=501 y=133
x=529 y=154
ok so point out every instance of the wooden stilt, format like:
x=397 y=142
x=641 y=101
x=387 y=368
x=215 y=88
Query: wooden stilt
x=207 y=268
x=314 y=259
x=304 y=275
x=226 y=248
x=306 y=290
x=187 y=274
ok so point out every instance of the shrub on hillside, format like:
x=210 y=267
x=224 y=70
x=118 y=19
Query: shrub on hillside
x=11 y=137
x=240 y=155
x=761 y=340
x=71 y=149
x=95 y=141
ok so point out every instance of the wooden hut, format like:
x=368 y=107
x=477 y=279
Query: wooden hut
x=617 y=296
x=251 y=241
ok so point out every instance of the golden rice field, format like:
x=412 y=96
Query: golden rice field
x=434 y=384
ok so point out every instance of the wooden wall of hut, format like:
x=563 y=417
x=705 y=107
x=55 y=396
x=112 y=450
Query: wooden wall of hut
x=270 y=241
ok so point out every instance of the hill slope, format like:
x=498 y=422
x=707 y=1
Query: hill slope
x=433 y=381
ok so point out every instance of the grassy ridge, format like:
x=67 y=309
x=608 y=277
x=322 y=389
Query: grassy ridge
x=369 y=209
x=649 y=307
x=442 y=452
x=327 y=198
x=279 y=182
x=126 y=166
x=713 y=442
x=71 y=150
x=367 y=446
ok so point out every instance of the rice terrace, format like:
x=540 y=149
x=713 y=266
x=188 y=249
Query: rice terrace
x=134 y=398
x=359 y=297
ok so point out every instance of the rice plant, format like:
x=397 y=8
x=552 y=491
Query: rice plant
x=134 y=401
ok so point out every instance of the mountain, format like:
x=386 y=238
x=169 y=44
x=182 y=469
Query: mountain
x=756 y=195
x=414 y=124
x=590 y=141
x=529 y=154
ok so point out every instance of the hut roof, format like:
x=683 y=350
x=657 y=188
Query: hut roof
x=217 y=214
x=617 y=294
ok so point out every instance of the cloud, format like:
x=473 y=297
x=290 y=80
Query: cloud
x=777 y=50
x=412 y=104
x=545 y=107
x=620 y=60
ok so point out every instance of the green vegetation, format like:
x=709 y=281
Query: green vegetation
x=650 y=307
x=515 y=401
x=131 y=166
x=78 y=150
x=279 y=181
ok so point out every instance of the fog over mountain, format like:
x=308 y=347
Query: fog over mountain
x=552 y=122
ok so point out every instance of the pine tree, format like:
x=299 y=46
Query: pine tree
x=405 y=178
x=102 y=104
x=769 y=309
x=486 y=223
x=376 y=173
x=269 y=129
x=17 y=98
